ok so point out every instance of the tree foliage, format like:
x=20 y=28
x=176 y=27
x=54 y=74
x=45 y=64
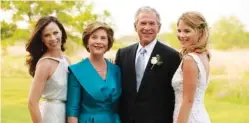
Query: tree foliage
x=229 y=33
x=171 y=37
x=7 y=30
x=74 y=15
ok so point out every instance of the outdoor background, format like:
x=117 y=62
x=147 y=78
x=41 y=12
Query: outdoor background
x=227 y=98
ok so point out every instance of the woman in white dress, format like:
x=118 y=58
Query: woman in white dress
x=48 y=67
x=190 y=80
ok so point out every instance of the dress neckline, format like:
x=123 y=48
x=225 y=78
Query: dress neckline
x=96 y=72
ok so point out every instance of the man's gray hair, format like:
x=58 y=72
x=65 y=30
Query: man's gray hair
x=148 y=9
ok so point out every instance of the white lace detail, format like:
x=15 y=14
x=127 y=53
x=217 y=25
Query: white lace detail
x=198 y=112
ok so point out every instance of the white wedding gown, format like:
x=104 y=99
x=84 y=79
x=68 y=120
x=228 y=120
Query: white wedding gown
x=55 y=93
x=198 y=112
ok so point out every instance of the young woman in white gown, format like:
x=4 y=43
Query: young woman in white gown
x=48 y=67
x=190 y=80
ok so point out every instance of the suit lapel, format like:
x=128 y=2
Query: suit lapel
x=153 y=54
x=132 y=61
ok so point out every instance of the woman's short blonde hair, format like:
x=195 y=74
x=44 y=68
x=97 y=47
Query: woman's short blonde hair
x=92 y=27
x=196 y=21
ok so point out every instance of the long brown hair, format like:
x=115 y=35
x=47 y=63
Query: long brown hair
x=36 y=47
x=196 y=21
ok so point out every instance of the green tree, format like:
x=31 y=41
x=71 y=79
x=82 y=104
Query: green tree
x=229 y=33
x=7 y=30
x=171 y=37
x=74 y=15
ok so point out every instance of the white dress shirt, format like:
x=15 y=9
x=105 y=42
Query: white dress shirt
x=149 y=48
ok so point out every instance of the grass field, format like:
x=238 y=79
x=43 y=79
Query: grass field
x=15 y=91
x=227 y=98
x=14 y=100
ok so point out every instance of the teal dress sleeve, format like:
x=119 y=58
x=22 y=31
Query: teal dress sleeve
x=73 y=96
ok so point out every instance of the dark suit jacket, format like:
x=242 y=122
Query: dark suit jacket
x=154 y=102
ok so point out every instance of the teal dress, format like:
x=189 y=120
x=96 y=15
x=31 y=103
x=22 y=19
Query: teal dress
x=89 y=97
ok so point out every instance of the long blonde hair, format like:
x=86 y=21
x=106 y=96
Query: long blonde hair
x=196 y=21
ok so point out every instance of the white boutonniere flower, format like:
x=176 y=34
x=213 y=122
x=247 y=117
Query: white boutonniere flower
x=156 y=60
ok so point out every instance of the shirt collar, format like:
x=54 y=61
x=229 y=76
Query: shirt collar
x=149 y=48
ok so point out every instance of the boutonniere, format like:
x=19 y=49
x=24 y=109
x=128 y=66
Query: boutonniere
x=156 y=60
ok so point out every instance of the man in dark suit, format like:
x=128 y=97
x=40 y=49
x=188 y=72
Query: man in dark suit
x=147 y=68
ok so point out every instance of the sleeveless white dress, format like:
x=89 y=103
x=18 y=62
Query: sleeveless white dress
x=198 y=112
x=54 y=94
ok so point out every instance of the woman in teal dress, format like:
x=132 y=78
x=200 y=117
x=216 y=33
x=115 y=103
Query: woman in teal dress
x=94 y=83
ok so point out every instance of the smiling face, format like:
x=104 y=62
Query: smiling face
x=51 y=36
x=147 y=27
x=186 y=35
x=98 y=42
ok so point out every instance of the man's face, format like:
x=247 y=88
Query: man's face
x=147 y=27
